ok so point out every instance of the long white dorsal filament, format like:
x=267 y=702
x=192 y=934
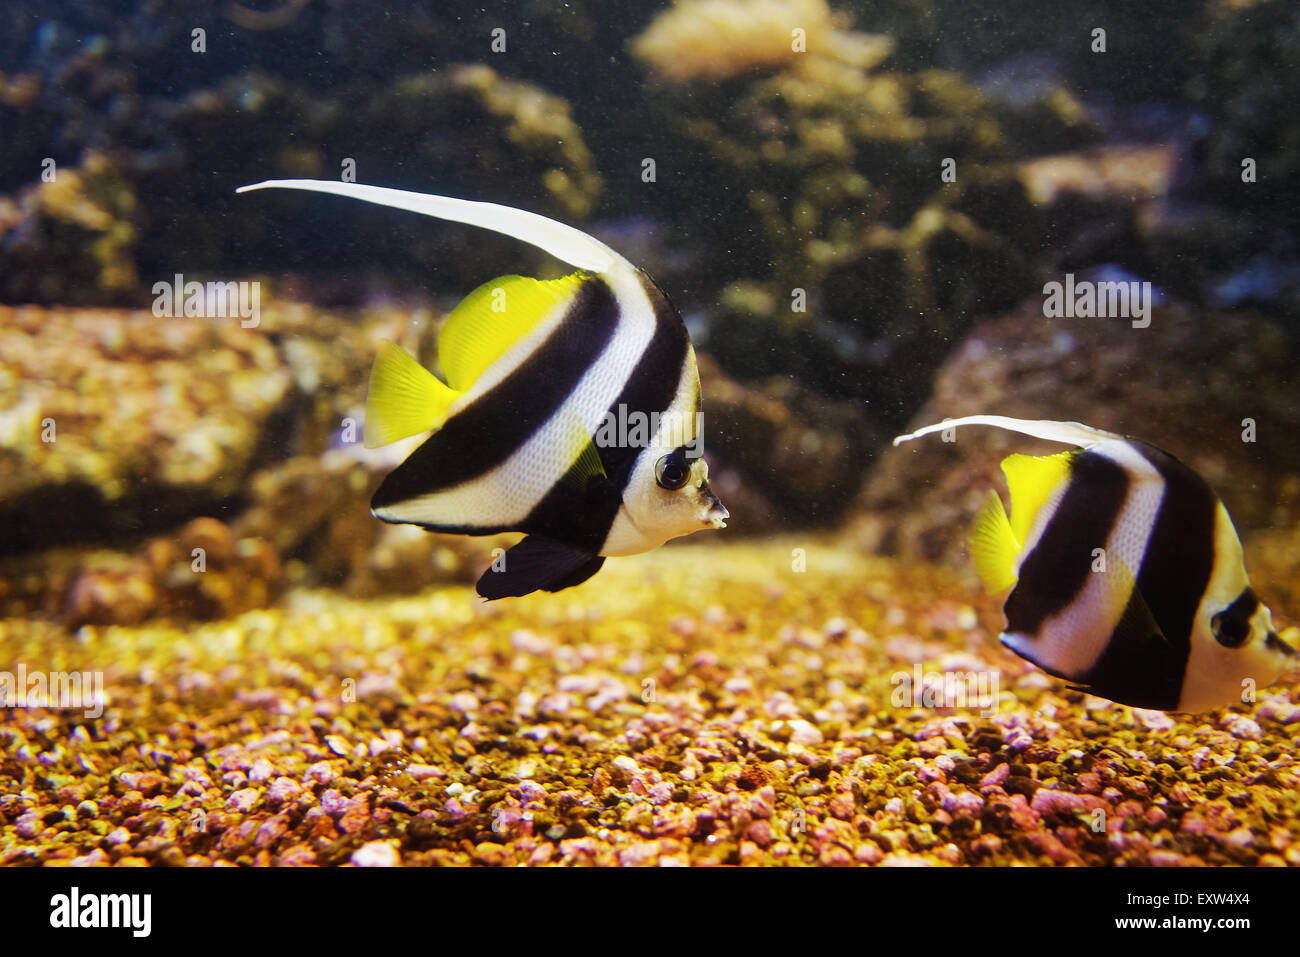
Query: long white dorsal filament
x=563 y=242
x=1068 y=433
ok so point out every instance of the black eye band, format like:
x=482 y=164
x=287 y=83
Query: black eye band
x=1231 y=627
x=672 y=470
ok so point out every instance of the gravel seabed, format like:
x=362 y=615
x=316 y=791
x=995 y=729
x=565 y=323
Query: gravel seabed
x=703 y=704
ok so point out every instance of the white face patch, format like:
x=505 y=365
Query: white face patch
x=651 y=515
x=1217 y=675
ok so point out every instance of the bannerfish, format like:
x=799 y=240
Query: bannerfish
x=570 y=410
x=1128 y=574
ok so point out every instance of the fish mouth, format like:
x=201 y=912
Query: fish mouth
x=715 y=513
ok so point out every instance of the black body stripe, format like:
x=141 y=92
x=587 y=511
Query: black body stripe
x=492 y=428
x=1138 y=668
x=584 y=516
x=1056 y=570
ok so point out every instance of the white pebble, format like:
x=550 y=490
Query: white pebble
x=376 y=854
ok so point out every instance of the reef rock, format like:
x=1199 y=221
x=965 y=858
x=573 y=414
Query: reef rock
x=781 y=455
x=113 y=419
x=878 y=211
x=132 y=436
x=723 y=38
x=70 y=239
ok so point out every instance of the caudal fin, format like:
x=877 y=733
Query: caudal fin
x=993 y=546
x=404 y=399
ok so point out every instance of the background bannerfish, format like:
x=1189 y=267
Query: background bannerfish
x=571 y=409
x=1126 y=573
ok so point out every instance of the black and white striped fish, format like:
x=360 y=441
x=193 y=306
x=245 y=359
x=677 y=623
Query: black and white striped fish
x=571 y=410
x=1128 y=574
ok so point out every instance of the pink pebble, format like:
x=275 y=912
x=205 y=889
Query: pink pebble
x=760 y=832
x=542 y=854
x=333 y=803
x=964 y=803
x=661 y=793
x=841 y=806
x=803 y=732
x=30 y=824
x=532 y=791
x=868 y=853
x=996 y=776
x=1090 y=782
x=376 y=854
x=282 y=790
x=243 y=800
x=1241 y=726
x=639 y=854
x=322 y=772
x=835 y=856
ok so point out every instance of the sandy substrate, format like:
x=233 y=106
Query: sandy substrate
x=705 y=704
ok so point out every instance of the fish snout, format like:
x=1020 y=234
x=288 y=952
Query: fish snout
x=715 y=513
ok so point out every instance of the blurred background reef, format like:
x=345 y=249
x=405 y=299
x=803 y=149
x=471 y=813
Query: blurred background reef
x=779 y=177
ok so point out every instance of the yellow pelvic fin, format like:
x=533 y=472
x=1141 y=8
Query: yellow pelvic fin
x=1032 y=479
x=405 y=398
x=993 y=546
x=494 y=317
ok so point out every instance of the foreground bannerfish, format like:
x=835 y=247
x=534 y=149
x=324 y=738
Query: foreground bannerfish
x=571 y=409
x=1128 y=574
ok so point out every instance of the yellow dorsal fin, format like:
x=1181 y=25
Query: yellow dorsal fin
x=1032 y=479
x=405 y=398
x=494 y=317
x=993 y=546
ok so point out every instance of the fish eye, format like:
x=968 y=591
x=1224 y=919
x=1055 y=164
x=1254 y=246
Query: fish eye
x=671 y=471
x=1230 y=630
